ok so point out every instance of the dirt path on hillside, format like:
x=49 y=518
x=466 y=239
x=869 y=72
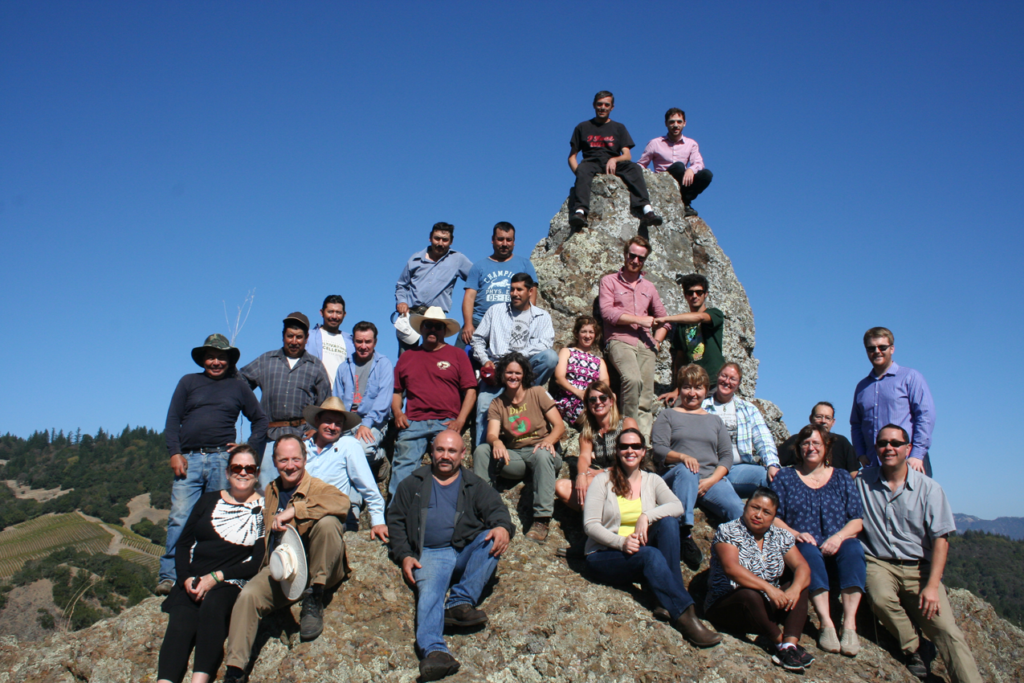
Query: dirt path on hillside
x=115 y=543
x=41 y=495
x=139 y=509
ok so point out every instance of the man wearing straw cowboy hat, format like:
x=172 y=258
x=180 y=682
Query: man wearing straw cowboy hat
x=439 y=387
x=304 y=518
x=334 y=456
x=200 y=431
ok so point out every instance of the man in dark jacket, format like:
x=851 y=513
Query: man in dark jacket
x=437 y=523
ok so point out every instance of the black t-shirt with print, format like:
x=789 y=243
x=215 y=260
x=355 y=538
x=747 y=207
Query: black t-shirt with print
x=600 y=141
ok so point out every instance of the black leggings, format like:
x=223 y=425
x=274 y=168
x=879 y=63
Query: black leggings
x=747 y=611
x=203 y=628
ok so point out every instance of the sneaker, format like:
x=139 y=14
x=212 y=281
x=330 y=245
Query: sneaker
x=235 y=675
x=915 y=665
x=538 y=532
x=828 y=639
x=850 y=644
x=650 y=218
x=689 y=211
x=438 y=664
x=311 y=618
x=578 y=221
x=788 y=658
x=464 y=615
x=164 y=587
x=806 y=658
x=690 y=553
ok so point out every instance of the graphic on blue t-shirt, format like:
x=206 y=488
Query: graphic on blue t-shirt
x=493 y=281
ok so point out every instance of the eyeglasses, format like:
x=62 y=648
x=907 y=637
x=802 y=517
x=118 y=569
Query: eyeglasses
x=881 y=347
x=630 y=256
x=631 y=447
x=895 y=443
x=696 y=292
x=244 y=469
x=597 y=398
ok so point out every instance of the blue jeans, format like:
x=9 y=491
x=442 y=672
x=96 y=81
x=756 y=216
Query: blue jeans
x=472 y=567
x=746 y=477
x=848 y=563
x=206 y=472
x=720 y=500
x=656 y=563
x=543 y=364
x=410 y=445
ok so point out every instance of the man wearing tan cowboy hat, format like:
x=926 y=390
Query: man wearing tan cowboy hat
x=439 y=387
x=334 y=456
x=200 y=431
x=290 y=378
x=316 y=510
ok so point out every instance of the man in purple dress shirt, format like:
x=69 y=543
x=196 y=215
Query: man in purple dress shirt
x=679 y=156
x=891 y=394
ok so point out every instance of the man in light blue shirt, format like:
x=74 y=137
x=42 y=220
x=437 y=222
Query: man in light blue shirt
x=338 y=459
x=490 y=279
x=364 y=383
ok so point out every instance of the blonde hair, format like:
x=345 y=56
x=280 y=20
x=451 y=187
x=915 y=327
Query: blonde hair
x=692 y=375
x=590 y=424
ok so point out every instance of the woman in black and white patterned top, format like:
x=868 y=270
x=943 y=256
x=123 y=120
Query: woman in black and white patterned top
x=220 y=548
x=748 y=556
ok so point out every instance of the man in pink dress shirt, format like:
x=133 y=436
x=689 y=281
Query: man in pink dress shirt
x=629 y=304
x=680 y=157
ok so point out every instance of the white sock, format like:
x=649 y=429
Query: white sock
x=579 y=211
x=647 y=209
x=783 y=646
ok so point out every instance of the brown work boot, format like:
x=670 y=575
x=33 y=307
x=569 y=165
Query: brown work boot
x=694 y=630
x=539 y=531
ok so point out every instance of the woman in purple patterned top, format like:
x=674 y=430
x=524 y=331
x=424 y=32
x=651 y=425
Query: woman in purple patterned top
x=578 y=366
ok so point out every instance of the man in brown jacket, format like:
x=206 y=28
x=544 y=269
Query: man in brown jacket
x=317 y=510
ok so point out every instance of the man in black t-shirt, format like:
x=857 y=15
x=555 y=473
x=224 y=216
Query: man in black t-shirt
x=843 y=455
x=605 y=145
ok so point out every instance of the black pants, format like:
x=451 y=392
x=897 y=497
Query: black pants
x=204 y=627
x=746 y=610
x=631 y=174
x=701 y=180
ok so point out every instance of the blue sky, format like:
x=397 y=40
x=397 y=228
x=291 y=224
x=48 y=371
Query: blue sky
x=160 y=160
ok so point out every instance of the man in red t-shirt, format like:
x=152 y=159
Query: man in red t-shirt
x=439 y=387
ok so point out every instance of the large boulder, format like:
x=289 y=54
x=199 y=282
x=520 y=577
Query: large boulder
x=570 y=264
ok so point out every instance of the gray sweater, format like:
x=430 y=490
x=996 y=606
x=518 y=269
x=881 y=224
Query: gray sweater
x=704 y=437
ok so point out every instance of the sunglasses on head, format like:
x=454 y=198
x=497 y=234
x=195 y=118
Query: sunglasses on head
x=895 y=443
x=594 y=399
x=631 y=447
x=881 y=347
x=244 y=469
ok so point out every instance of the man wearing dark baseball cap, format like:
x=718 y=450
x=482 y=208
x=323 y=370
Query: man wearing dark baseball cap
x=200 y=432
x=289 y=378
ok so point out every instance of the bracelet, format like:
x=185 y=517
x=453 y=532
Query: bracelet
x=214 y=575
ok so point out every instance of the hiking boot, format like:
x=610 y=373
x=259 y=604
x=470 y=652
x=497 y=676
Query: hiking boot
x=694 y=630
x=437 y=665
x=662 y=614
x=650 y=218
x=788 y=658
x=805 y=657
x=164 y=587
x=915 y=665
x=850 y=644
x=538 y=532
x=578 y=221
x=235 y=675
x=690 y=553
x=464 y=615
x=311 y=618
x=689 y=211
x=828 y=640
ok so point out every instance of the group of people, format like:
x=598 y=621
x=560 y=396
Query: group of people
x=793 y=524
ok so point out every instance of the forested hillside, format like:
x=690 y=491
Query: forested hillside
x=989 y=566
x=105 y=471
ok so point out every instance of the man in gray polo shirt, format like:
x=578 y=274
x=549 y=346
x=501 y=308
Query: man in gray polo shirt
x=906 y=520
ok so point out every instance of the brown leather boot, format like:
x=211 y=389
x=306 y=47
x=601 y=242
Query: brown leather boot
x=694 y=630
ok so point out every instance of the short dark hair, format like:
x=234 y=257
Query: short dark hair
x=824 y=403
x=765 y=492
x=675 y=110
x=504 y=226
x=287 y=437
x=333 y=299
x=524 y=363
x=603 y=94
x=906 y=437
x=523 y=277
x=692 y=280
x=243 y=448
x=443 y=227
x=363 y=326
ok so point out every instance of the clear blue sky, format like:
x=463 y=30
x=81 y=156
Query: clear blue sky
x=158 y=160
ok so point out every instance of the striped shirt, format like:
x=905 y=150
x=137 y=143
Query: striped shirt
x=285 y=390
x=493 y=337
x=766 y=562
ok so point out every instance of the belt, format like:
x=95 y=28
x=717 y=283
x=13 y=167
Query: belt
x=905 y=563
x=294 y=422
x=206 y=451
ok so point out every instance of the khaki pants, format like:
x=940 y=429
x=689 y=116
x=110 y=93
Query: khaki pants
x=895 y=592
x=635 y=365
x=262 y=595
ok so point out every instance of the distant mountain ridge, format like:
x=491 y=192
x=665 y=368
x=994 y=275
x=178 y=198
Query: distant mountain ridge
x=1004 y=526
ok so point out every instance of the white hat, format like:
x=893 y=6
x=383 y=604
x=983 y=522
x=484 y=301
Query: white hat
x=288 y=564
x=435 y=313
x=409 y=336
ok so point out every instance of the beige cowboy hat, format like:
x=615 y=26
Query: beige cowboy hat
x=435 y=313
x=335 y=405
x=288 y=564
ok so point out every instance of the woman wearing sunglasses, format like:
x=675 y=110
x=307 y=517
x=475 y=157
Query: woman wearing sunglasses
x=631 y=521
x=220 y=548
x=601 y=427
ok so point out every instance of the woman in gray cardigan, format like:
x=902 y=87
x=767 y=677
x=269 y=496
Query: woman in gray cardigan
x=633 y=535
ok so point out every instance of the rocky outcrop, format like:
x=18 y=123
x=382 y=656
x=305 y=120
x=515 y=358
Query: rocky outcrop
x=570 y=265
x=547 y=623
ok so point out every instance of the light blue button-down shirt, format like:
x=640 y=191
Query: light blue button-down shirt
x=430 y=283
x=900 y=397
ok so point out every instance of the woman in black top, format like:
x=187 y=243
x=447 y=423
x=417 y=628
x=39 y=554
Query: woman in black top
x=220 y=548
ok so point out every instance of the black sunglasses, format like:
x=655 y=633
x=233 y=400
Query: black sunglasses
x=631 y=447
x=895 y=443
x=597 y=398
x=244 y=469
x=696 y=292
x=881 y=347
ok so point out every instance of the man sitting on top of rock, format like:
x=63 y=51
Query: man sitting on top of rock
x=515 y=326
x=680 y=156
x=605 y=145
x=446 y=524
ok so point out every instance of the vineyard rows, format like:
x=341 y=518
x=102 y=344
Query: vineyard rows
x=151 y=562
x=39 y=537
